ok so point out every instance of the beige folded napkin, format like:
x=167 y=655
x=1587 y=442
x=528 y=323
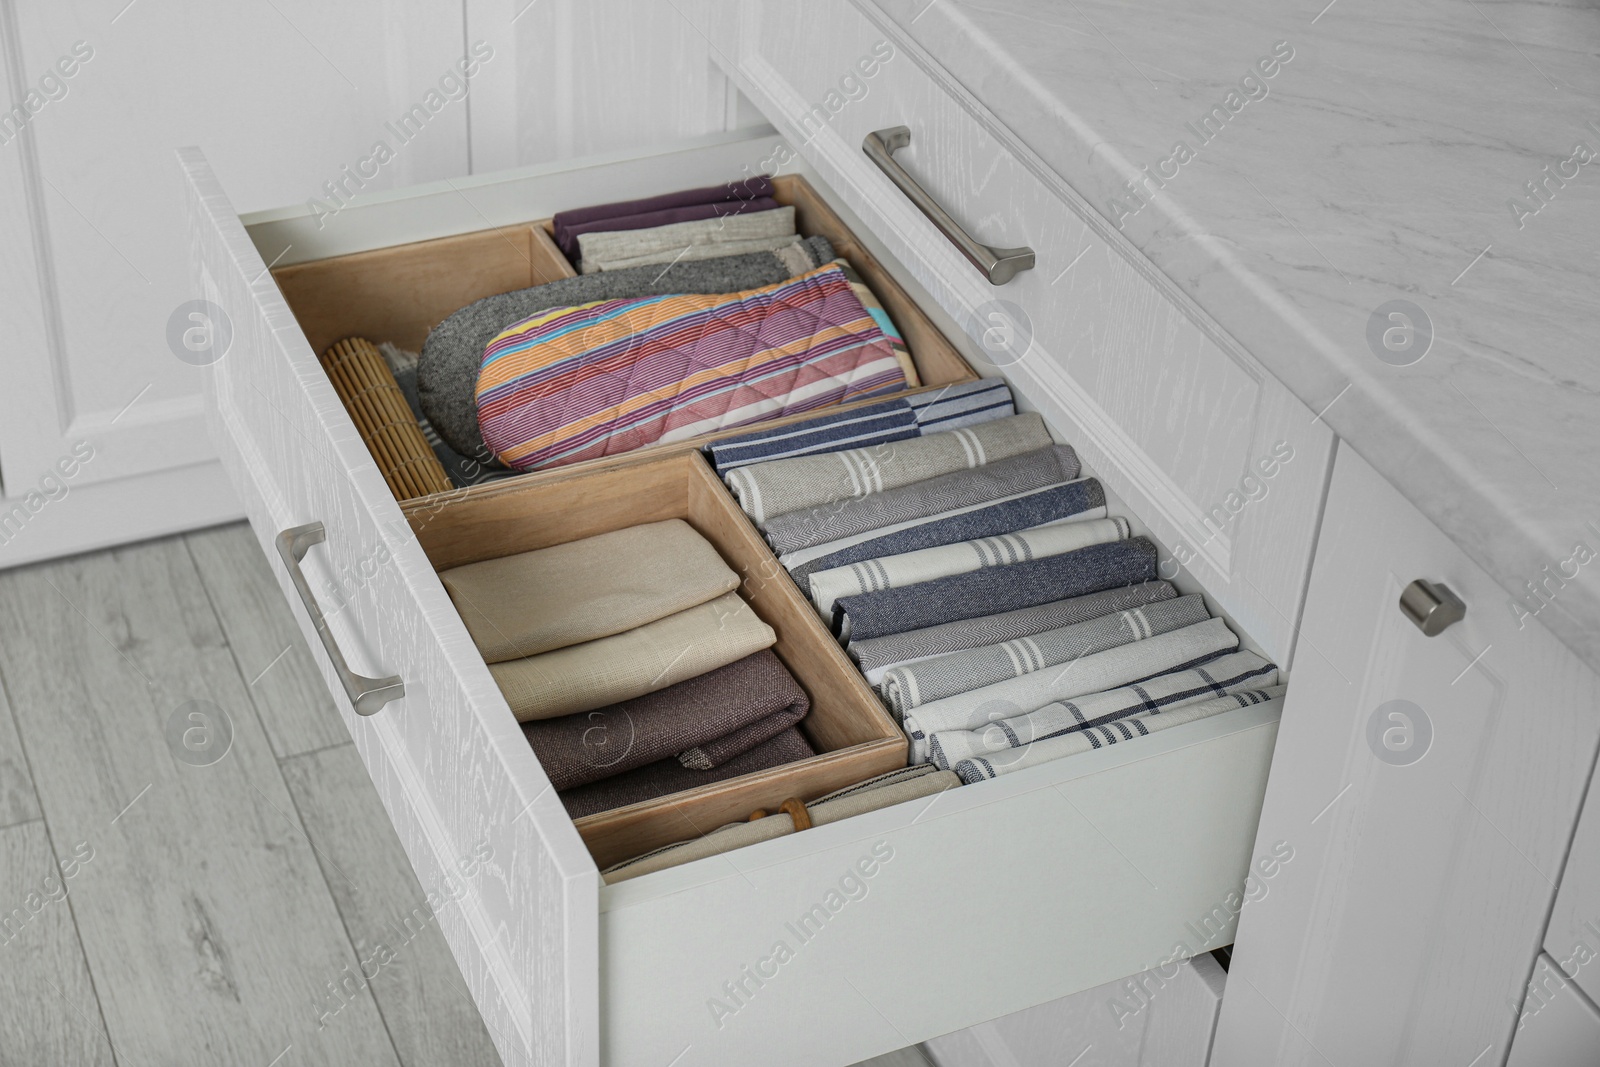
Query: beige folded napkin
x=628 y=665
x=550 y=598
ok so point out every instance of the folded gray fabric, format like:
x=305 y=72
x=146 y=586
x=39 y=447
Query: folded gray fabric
x=1177 y=650
x=996 y=589
x=1080 y=500
x=958 y=489
x=668 y=776
x=716 y=716
x=447 y=372
x=878 y=655
x=680 y=242
x=980 y=768
x=874 y=794
x=779 y=486
x=461 y=470
x=915 y=684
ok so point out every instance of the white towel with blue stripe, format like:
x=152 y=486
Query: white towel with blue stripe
x=1047 y=750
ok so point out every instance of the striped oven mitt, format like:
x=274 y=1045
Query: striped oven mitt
x=603 y=378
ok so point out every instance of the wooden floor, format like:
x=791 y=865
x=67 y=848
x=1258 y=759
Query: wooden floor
x=194 y=868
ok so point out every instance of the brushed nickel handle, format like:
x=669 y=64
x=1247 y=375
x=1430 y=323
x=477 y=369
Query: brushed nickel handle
x=366 y=695
x=999 y=265
x=1432 y=606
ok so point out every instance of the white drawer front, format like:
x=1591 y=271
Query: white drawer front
x=998 y=897
x=1171 y=413
x=984 y=901
x=453 y=769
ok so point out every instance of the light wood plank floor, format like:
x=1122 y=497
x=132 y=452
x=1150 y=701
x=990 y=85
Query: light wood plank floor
x=194 y=868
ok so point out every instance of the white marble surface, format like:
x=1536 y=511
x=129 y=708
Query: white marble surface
x=1378 y=166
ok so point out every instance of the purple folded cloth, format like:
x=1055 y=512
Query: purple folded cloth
x=702 y=722
x=668 y=776
x=567 y=237
x=746 y=189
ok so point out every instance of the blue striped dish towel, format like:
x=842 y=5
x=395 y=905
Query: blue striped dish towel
x=914 y=684
x=1081 y=500
x=980 y=768
x=1176 y=650
x=1221 y=674
x=995 y=589
x=948 y=408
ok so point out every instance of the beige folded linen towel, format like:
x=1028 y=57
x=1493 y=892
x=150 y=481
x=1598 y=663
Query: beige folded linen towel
x=533 y=602
x=894 y=787
x=730 y=235
x=628 y=665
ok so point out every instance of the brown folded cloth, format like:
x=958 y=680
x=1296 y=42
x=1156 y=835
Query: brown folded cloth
x=710 y=719
x=668 y=776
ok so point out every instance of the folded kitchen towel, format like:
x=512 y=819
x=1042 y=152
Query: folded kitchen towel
x=878 y=655
x=931 y=411
x=795 y=530
x=873 y=424
x=745 y=189
x=914 y=684
x=567 y=236
x=1079 y=501
x=447 y=370
x=687 y=240
x=604 y=378
x=461 y=470
x=996 y=589
x=929 y=564
x=874 y=794
x=630 y=664
x=711 y=719
x=1173 y=651
x=768 y=489
x=1219 y=675
x=668 y=776
x=962 y=404
x=549 y=598
x=978 y=768
x=869 y=300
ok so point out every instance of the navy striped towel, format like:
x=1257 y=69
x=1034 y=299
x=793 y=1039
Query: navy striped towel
x=953 y=406
x=996 y=589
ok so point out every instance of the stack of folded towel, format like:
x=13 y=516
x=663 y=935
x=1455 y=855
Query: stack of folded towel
x=976 y=579
x=633 y=664
x=695 y=311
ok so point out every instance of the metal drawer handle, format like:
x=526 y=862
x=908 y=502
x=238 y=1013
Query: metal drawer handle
x=1432 y=606
x=999 y=265
x=366 y=695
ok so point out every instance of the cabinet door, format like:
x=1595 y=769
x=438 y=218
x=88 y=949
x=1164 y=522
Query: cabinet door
x=1428 y=788
x=102 y=358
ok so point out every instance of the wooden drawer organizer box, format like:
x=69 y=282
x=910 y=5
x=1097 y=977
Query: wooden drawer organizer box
x=399 y=293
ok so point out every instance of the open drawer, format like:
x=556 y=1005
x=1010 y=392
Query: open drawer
x=897 y=926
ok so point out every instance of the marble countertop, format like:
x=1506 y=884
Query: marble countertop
x=1385 y=159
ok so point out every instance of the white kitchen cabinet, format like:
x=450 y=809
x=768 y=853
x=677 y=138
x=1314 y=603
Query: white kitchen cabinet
x=1573 y=937
x=1149 y=841
x=1428 y=787
x=102 y=436
x=1559 y=1026
x=1221 y=461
